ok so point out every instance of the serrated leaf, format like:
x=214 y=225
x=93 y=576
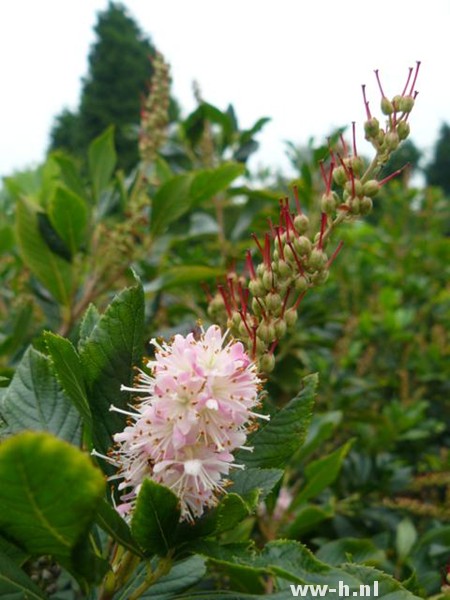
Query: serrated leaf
x=209 y=182
x=67 y=366
x=35 y=400
x=277 y=441
x=69 y=216
x=108 y=358
x=155 y=518
x=15 y=584
x=102 y=159
x=111 y=522
x=350 y=549
x=170 y=202
x=88 y=322
x=231 y=510
x=322 y=472
x=49 y=493
x=247 y=481
x=51 y=270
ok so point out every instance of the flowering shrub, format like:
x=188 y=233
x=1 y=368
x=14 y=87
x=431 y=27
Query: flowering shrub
x=190 y=490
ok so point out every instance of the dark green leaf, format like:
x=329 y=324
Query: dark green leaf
x=209 y=182
x=51 y=270
x=230 y=512
x=67 y=366
x=111 y=522
x=155 y=518
x=69 y=216
x=249 y=481
x=51 y=237
x=350 y=550
x=170 y=202
x=307 y=518
x=277 y=441
x=102 y=161
x=88 y=322
x=35 y=400
x=49 y=493
x=15 y=584
x=108 y=358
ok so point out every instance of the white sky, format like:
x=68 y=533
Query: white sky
x=300 y=62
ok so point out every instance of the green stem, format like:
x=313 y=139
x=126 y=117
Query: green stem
x=162 y=569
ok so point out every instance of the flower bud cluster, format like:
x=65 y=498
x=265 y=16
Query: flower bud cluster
x=155 y=112
x=262 y=309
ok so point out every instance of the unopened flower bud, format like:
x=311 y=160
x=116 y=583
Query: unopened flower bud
x=403 y=130
x=392 y=140
x=256 y=287
x=301 y=223
x=284 y=269
x=328 y=203
x=406 y=104
x=303 y=245
x=301 y=284
x=365 y=205
x=280 y=328
x=371 y=128
x=357 y=164
x=273 y=302
x=320 y=277
x=340 y=176
x=290 y=317
x=266 y=332
x=256 y=307
x=267 y=279
x=267 y=362
x=355 y=206
x=371 y=188
x=317 y=259
x=387 y=107
x=354 y=188
x=288 y=254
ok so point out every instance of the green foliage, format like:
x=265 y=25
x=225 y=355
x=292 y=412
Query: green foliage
x=437 y=170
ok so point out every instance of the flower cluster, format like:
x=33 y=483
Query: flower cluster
x=197 y=408
x=261 y=306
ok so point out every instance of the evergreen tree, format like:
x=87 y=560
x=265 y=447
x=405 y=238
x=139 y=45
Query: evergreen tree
x=438 y=170
x=118 y=78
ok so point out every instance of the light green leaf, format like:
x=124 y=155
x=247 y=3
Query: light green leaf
x=356 y=550
x=67 y=366
x=322 y=472
x=108 y=358
x=49 y=493
x=51 y=270
x=155 y=518
x=405 y=538
x=275 y=443
x=69 y=216
x=88 y=322
x=35 y=400
x=15 y=584
x=102 y=161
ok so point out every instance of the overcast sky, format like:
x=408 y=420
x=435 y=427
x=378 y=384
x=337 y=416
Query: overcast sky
x=299 y=62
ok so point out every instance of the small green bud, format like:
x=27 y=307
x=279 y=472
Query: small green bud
x=403 y=130
x=318 y=259
x=371 y=128
x=280 y=328
x=301 y=223
x=356 y=185
x=365 y=205
x=256 y=287
x=303 y=245
x=387 y=108
x=355 y=206
x=267 y=362
x=266 y=332
x=284 y=269
x=320 y=277
x=242 y=329
x=406 y=104
x=290 y=317
x=236 y=318
x=256 y=307
x=288 y=254
x=328 y=203
x=273 y=302
x=392 y=140
x=371 y=188
x=268 y=280
x=301 y=284
x=340 y=176
x=260 y=269
x=357 y=164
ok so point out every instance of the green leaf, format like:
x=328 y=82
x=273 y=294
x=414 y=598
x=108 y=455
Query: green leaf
x=249 y=481
x=15 y=584
x=67 y=366
x=183 y=575
x=102 y=159
x=111 y=522
x=69 y=216
x=51 y=270
x=108 y=358
x=69 y=173
x=170 y=202
x=277 y=441
x=230 y=512
x=350 y=549
x=88 y=322
x=182 y=275
x=405 y=538
x=51 y=237
x=6 y=239
x=35 y=400
x=19 y=324
x=307 y=518
x=322 y=472
x=49 y=493
x=209 y=182
x=155 y=518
